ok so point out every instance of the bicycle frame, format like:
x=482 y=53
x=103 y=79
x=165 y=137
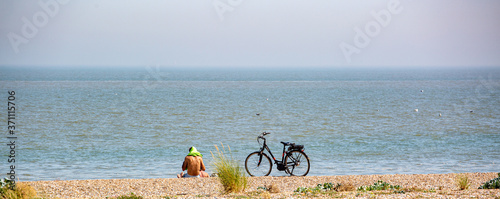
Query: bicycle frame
x=264 y=146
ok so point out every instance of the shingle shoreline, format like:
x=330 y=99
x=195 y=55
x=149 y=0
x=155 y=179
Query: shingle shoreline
x=416 y=185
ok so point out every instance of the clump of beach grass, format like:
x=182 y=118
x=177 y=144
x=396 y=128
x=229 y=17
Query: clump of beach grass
x=463 y=181
x=131 y=196
x=230 y=174
x=10 y=189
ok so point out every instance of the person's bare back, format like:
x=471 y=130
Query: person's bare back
x=193 y=164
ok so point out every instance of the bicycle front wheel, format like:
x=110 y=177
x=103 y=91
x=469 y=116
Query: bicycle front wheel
x=297 y=163
x=258 y=165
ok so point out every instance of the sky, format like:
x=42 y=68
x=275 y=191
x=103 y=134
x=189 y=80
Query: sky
x=250 y=33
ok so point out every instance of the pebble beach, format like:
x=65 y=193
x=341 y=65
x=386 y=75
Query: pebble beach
x=413 y=186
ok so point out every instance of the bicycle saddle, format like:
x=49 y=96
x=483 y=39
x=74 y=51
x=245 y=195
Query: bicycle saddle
x=287 y=143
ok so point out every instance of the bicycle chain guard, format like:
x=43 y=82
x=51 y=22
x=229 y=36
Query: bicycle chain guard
x=281 y=166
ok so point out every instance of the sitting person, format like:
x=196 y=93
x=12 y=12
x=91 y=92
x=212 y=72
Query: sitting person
x=194 y=165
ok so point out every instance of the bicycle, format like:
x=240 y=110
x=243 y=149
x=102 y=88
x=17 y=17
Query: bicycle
x=296 y=162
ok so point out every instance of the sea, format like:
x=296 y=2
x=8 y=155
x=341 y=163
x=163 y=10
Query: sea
x=77 y=123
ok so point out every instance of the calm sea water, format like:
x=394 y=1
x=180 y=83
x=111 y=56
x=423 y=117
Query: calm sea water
x=90 y=123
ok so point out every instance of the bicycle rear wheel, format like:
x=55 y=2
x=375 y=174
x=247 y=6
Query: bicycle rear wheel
x=257 y=165
x=297 y=163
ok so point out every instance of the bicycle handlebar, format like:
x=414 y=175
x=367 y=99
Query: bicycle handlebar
x=262 y=136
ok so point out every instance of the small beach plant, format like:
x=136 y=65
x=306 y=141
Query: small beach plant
x=230 y=174
x=463 y=182
x=378 y=186
x=346 y=187
x=7 y=184
x=131 y=196
x=492 y=184
x=319 y=189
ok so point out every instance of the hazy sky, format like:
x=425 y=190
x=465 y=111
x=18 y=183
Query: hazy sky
x=285 y=33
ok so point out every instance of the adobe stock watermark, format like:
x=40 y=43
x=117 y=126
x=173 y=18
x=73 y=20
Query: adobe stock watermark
x=40 y=19
x=362 y=39
x=224 y=6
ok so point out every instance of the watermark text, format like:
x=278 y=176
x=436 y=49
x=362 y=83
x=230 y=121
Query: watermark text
x=40 y=19
x=362 y=38
x=11 y=129
x=222 y=7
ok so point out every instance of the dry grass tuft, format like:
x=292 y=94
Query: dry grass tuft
x=346 y=187
x=231 y=175
x=273 y=188
x=462 y=181
x=20 y=191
